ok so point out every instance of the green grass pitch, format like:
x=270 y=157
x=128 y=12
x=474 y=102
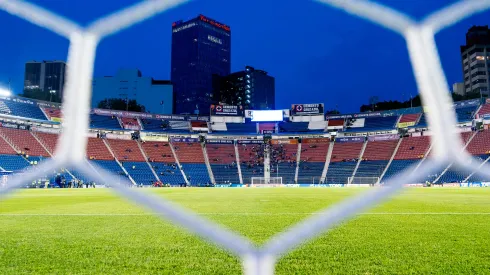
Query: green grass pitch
x=92 y=231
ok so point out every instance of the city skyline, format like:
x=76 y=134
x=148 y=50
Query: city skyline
x=323 y=56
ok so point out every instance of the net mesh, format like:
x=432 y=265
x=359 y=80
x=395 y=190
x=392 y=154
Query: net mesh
x=430 y=78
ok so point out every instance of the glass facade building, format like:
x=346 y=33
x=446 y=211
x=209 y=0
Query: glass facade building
x=46 y=76
x=201 y=47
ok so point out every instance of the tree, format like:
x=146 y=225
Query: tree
x=333 y=112
x=120 y=104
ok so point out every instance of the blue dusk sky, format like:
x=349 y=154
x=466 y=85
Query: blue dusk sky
x=315 y=52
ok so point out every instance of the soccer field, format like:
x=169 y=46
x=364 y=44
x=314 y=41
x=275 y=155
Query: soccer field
x=87 y=231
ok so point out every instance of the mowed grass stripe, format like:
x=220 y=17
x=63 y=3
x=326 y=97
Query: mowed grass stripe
x=420 y=231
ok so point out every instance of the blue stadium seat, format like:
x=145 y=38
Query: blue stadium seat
x=246 y=128
x=466 y=114
x=339 y=172
x=155 y=125
x=294 y=127
x=478 y=178
x=285 y=170
x=13 y=162
x=310 y=172
x=225 y=174
x=169 y=173
x=249 y=172
x=398 y=166
x=196 y=173
x=456 y=175
x=104 y=122
x=371 y=168
x=140 y=172
x=24 y=110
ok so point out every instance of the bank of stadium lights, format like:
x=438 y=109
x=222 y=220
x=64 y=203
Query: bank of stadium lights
x=5 y=92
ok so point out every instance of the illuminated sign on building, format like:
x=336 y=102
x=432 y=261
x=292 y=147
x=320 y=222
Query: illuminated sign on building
x=214 y=23
x=178 y=29
x=215 y=39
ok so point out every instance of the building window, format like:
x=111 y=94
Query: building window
x=480 y=58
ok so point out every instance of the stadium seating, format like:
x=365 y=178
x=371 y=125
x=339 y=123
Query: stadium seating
x=398 y=166
x=339 y=172
x=312 y=161
x=251 y=161
x=422 y=122
x=49 y=140
x=168 y=173
x=13 y=162
x=375 y=158
x=104 y=122
x=375 y=124
x=180 y=125
x=126 y=150
x=5 y=148
x=155 y=125
x=480 y=144
x=484 y=110
x=4 y=109
x=466 y=114
x=97 y=150
x=413 y=148
x=130 y=123
x=245 y=128
x=140 y=172
x=109 y=165
x=52 y=113
x=24 y=142
x=478 y=178
x=293 y=127
x=283 y=161
x=410 y=119
x=346 y=151
x=191 y=159
x=25 y=110
x=223 y=163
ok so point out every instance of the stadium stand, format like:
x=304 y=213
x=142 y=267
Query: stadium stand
x=163 y=162
x=223 y=163
x=139 y=171
x=251 y=161
x=466 y=114
x=413 y=148
x=191 y=159
x=126 y=150
x=484 y=110
x=25 y=110
x=422 y=122
x=52 y=113
x=375 y=158
x=24 y=142
x=97 y=150
x=409 y=119
x=245 y=128
x=375 y=124
x=343 y=162
x=399 y=165
x=13 y=162
x=104 y=122
x=49 y=140
x=110 y=166
x=312 y=161
x=130 y=123
x=293 y=127
x=283 y=161
x=5 y=148
x=155 y=125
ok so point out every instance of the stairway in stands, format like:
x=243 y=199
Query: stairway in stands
x=223 y=163
x=191 y=159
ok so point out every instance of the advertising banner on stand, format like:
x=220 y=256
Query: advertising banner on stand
x=307 y=109
x=226 y=110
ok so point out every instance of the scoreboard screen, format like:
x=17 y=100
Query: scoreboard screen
x=266 y=115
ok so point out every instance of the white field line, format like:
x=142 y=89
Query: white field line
x=242 y=214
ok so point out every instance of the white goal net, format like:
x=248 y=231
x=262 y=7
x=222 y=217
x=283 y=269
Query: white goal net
x=424 y=58
x=263 y=180
x=363 y=180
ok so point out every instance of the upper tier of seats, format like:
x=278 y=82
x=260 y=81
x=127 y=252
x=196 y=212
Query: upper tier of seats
x=376 y=124
x=126 y=150
x=413 y=148
x=485 y=109
x=189 y=152
x=246 y=128
x=346 y=151
x=409 y=118
x=24 y=142
x=130 y=123
x=466 y=114
x=293 y=127
x=20 y=109
x=379 y=150
x=52 y=112
x=104 y=122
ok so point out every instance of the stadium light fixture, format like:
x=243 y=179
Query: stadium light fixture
x=5 y=92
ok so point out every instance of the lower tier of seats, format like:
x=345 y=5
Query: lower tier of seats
x=339 y=172
x=310 y=172
x=197 y=173
x=225 y=173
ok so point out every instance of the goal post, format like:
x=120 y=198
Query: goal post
x=263 y=180
x=363 y=180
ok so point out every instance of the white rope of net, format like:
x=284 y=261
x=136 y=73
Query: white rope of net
x=428 y=73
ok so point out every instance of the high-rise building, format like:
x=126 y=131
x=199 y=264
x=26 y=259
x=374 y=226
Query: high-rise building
x=156 y=95
x=250 y=88
x=475 y=56
x=201 y=47
x=46 y=76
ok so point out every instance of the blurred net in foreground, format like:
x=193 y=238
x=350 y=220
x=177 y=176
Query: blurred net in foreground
x=427 y=69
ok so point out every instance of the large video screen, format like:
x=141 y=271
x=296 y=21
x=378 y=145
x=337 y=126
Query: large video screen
x=269 y=115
